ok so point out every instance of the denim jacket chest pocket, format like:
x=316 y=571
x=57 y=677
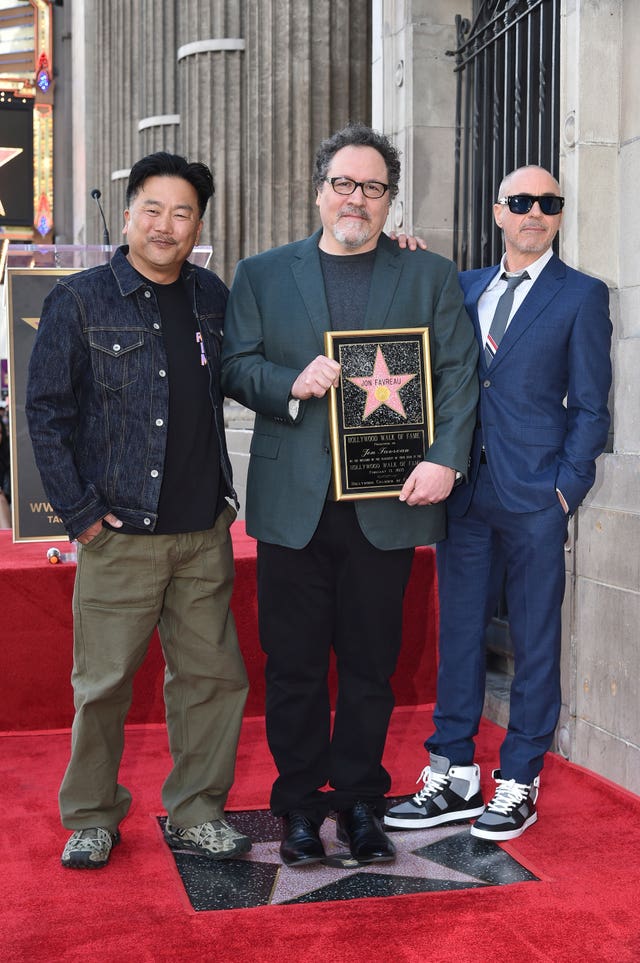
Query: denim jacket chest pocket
x=116 y=356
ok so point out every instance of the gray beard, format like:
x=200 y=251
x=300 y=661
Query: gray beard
x=352 y=240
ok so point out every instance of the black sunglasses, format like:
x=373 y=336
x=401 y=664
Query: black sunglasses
x=522 y=203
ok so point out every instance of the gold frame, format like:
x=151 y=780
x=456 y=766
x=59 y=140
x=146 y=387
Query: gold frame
x=397 y=437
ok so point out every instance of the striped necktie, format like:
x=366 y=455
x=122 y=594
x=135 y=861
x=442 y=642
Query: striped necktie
x=501 y=316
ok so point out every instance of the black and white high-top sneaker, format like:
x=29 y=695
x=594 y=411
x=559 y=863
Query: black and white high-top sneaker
x=510 y=812
x=449 y=794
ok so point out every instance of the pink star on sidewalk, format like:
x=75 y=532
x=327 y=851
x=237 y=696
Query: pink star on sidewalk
x=381 y=387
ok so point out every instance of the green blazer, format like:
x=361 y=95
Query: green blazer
x=274 y=326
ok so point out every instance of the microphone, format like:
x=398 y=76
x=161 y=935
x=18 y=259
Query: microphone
x=96 y=195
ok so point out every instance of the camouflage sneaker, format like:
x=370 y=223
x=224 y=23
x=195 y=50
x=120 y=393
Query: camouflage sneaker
x=89 y=848
x=216 y=839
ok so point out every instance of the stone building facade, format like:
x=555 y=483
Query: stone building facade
x=252 y=86
x=247 y=86
x=413 y=99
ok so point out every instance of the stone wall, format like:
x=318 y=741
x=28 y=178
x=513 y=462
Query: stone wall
x=414 y=102
x=413 y=99
x=600 y=163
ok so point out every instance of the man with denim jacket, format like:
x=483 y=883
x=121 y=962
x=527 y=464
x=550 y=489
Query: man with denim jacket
x=125 y=414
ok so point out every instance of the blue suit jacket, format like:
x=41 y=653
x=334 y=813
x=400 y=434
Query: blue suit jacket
x=557 y=347
x=274 y=326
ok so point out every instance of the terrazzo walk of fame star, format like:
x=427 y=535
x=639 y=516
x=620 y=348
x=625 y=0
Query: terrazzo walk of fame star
x=428 y=860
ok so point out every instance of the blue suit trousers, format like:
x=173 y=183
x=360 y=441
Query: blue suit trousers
x=530 y=545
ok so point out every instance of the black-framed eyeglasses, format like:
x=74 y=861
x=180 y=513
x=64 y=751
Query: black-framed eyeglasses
x=347 y=185
x=522 y=203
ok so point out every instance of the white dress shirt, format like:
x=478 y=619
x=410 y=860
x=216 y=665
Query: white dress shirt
x=493 y=292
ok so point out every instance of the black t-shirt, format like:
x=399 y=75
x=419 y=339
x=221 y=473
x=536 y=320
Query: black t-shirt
x=191 y=495
x=347 y=279
x=190 y=489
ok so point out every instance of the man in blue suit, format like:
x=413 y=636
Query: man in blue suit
x=545 y=373
x=333 y=573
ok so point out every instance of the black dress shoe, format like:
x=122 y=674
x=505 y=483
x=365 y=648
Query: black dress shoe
x=301 y=841
x=362 y=830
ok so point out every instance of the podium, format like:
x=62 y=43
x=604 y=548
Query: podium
x=31 y=272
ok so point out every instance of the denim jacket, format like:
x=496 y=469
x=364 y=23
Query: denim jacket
x=98 y=391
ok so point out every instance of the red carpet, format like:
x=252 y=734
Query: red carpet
x=585 y=848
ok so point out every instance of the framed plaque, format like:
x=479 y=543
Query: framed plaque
x=381 y=414
x=34 y=519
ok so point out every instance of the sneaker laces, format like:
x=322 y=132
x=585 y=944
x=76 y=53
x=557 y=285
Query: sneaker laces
x=508 y=795
x=89 y=840
x=434 y=782
x=213 y=832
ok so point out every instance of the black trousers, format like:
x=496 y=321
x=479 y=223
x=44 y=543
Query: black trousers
x=341 y=592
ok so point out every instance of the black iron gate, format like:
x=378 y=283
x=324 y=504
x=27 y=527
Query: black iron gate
x=507 y=112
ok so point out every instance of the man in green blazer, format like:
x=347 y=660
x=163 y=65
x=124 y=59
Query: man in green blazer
x=332 y=574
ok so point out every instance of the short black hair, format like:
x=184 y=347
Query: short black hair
x=357 y=134
x=163 y=164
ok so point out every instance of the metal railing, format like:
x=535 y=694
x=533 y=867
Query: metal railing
x=507 y=112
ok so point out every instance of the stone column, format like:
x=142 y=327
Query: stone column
x=112 y=113
x=131 y=110
x=158 y=122
x=248 y=86
x=210 y=81
x=261 y=83
x=600 y=235
x=307 y=75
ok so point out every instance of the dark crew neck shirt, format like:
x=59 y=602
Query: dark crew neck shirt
x=191 y=495
x=347 y=280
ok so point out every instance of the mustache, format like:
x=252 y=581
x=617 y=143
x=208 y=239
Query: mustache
x=164 y=238
x=351 y=209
